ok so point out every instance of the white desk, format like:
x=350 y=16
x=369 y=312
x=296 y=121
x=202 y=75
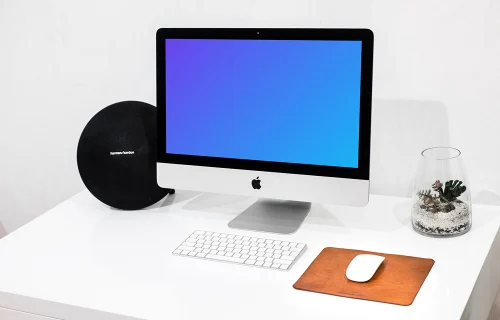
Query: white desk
x=82 y=261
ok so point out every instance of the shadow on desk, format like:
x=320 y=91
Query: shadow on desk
x=342 y=217
x=178 y=197
x=171 y=199
x=347 y=218
x=219 y=203
x=3 y=233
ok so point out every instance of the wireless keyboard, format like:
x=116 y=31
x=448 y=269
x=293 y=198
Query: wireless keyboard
x=244 y=250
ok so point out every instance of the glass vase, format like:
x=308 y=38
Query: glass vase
x=441 y=205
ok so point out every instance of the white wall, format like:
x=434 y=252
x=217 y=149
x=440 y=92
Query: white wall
x=436 y=81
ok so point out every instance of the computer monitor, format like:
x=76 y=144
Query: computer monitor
x=280 y=114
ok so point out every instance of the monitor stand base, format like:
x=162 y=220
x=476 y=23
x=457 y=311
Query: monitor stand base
x=275 y=216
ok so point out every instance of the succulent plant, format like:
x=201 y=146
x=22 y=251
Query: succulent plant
x=452 y=190
x=424 y=193
x=441 y=202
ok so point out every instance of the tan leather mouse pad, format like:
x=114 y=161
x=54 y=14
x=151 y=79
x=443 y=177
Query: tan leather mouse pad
x=397 y=280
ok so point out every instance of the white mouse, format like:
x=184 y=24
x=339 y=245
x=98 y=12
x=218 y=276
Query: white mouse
x=363 y=267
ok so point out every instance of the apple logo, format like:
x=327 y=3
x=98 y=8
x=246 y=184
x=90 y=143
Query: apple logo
x=256 y=183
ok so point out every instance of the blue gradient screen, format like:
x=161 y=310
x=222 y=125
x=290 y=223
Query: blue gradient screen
x=294 y=101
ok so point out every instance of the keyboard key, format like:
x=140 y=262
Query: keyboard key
x=186 y=248
x=213 y=252
x=224 y=258
x=268 y=254
x=206 y=251
x=269 y=241
x=252 y=252
x=198 y=245
x=269 y=245
x=238 y=242
x=216 y=243
x=192 y=253
x=189 y=244
x=260 y=254
x=260 y=258
x=223 y=244
x=198 y=232
x=253 y=239
x=300 y=245
x=294 y=254
x=261 y=240
x=229 y=254
x=244 y=256
x=238 y=237
x=237 y=250
x=201 y=255
x=230 y=241
x=198 y=250
x=278 y=251
x=191 y=240
x=245 y=251
x=281 y=261
x=277 y=242
x=246 y=243
x=262 y=250
x=275 y=265
x=206 y=246
x=261 y=245
x=237 y=255
x=295 y=249
x=252 y=257
x=246 y=247
x=230 y=245
x=215 y=234
x=223 y=235
x=277 y=256
x=267 y=264
x=289 y=258
x=286 y=248
x=208 y=233
x=246 y=238
x=285 y=243
x=284 y=267
x=228 y=249
x=238 y=246
x=292 y=244
x=177 y=251
x=230 y=236
x=277 y=247
x=259 y=263
x=223 y=240
x=286 y=253
x=250 y=261
x=214 y=247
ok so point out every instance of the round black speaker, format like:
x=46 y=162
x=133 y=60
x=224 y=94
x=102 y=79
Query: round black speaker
x=117 y=156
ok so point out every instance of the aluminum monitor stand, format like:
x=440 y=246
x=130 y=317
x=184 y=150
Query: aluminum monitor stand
x=275 y=216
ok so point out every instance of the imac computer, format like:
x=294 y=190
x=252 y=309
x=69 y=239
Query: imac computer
x=279 y=114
